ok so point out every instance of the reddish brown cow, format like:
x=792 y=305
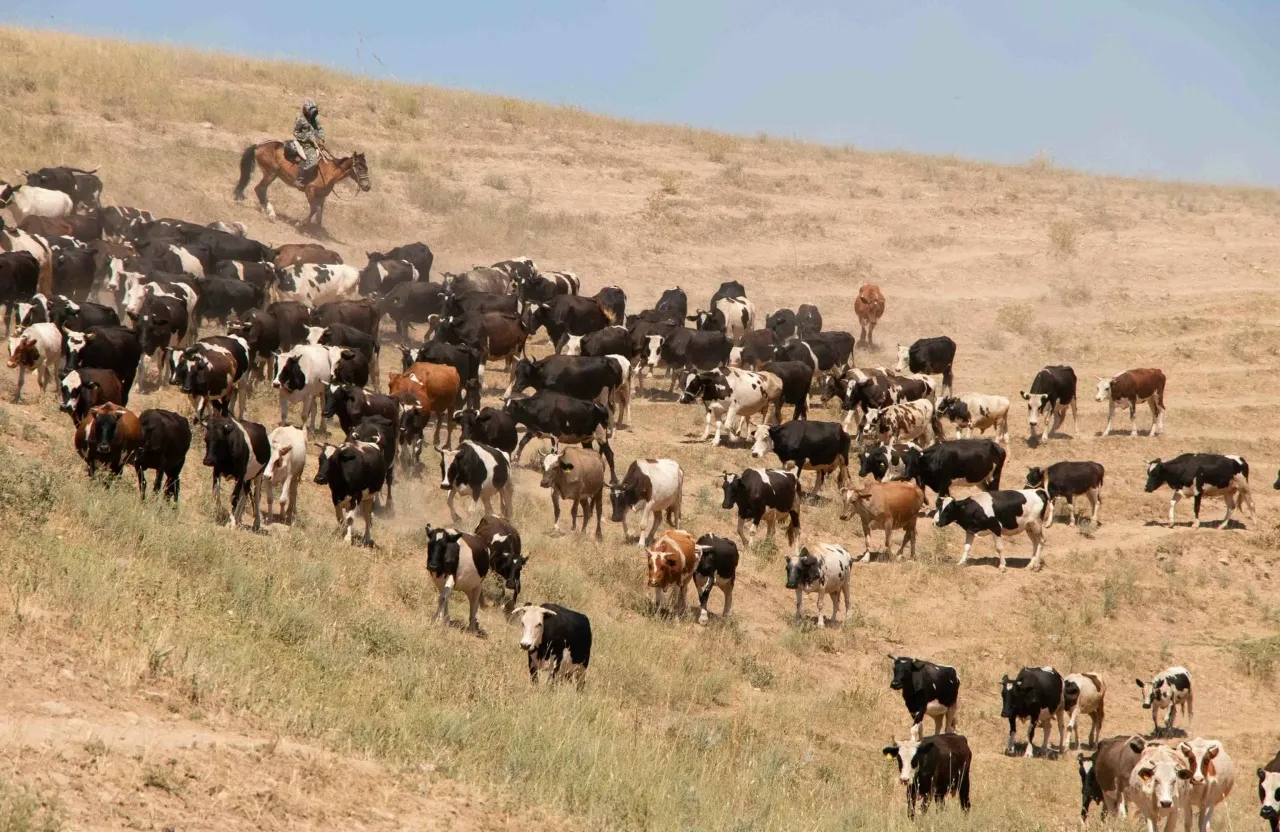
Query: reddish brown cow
x=293 y=254
x=108 y=435
x=671 y=564
x=1134 y=386
x=46 y=226
x=434 y=387
x=869 y=306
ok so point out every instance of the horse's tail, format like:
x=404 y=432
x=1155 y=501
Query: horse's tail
x=247 y=160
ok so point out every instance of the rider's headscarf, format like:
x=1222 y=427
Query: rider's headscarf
x=310 y=109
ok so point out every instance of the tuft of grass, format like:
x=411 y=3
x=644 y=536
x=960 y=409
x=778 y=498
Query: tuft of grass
x=1064 y=237
x=24 y=810
x=1258 y=657
x=435 y=196
x=496 y=181
x=1016 y=318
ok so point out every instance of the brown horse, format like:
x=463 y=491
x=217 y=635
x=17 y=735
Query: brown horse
x=270 y=157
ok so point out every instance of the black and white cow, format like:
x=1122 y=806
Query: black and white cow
x=655 y=487
x=932 y=768
x=583 y=377
x=1167 y=690
x=928 y=689
x=1269 y=792
x=385 y=433
x=563 y=418
x=557 y=640
x=481 y=470
x=815 y=446
x=890 y=463
x=114 y=348
x=238 y=451
x=977 y=411
x=934 y=356
x=505 y=558
x=717 y=566
x=315 y=284
x=1035 y=694
x=975 y=461
x=731 y=397
x=457 y=560
x=1000 y=514
x=1052 y=391
x=355 y=472
x=351 y=404
x=489 y=426
x=1070 y=480
x=381 y=276
x=1203 y=475
x=766 y=494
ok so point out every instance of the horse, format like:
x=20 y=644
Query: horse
x=270 y=156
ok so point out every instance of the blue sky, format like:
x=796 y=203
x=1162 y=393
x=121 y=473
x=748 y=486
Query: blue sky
x=1179 y=89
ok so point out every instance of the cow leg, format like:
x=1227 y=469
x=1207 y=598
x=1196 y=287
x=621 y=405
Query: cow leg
x=598 y=503
x=727 y=589
x=908 y=533
x=22 y=372
x=366 y=508
x=845 y=589
x=555 y=510
x=866 y=542
x=999 y=551
x=742 y=521
x=487 y=499
x=657 y=600
x=1062 y=737
x=706 y=429
x=607 y=452
x=504 y=498
x=1095 y=502
x=888 y=538
x=1133 y=418
x=1111 y=412
x=1058 y=418
x=1230 y=500
x=1037 y=543
x=473 y=622
x=142 y=483
x=968 y=546
x=453 y=512
x=257 y=495
x=573 y=516
x=442 y=609
x=1173 y=501
x=683 y=603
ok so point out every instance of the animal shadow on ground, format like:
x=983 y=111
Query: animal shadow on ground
x=1233 y=525
x=1122 y=432
x=1012 y=563
x=1020 y=748
x=1166 y=734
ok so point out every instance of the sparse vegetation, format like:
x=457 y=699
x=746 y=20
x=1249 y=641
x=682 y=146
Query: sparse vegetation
x=1016 y=318
x=496 y=181
x=1063 y=237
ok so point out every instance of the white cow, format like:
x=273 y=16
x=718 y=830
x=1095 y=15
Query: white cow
x=1084 y=693
x=731 y=397
x=1159 y=787
x=29 y=201
x=653 y=487
x=284 y=470
x=451 y=561
x=39 y=348
x=822 y=569
x=739 y=317
x=304 y=372
x=1212 y=778
x=904 y=422
x=315 y=284
x=15 y=239
x=977 y=411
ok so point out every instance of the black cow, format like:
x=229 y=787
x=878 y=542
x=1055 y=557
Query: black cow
x=764 y=494
x=728 y=289
x=1070 y=480
x=975 y=461
x=292 y=319
x=612 y=340
x=565 y=315
x=355 y=472
x=673 y=305
x=83 y=186
x=932 y=356
x=818 y=446
x=582 y=377
x=554 y=636
x=490 y=426
x=1052 y=391
x=1036 y=696
x=933 y=768
x=928 y=689
x=469 y=302
x=712 y=321
x=381 y=276
x=823 y=355
x=412 y=303
x=362 y=314
x=758 y=347
x=166 y=436
x=889 y=463
x=19 y=280
x=1200 y=475
x=351 y=368
x=162 y=325
x=614 y=302
x=717 y=567
x=352 y=404
x=114 y=348
x=341 y=335
x=73 y=272
x=385 y=433
x=503 y=540
x=797 y=378
x=238 y=451
x=686 y=349
x=809 y=321
x=416 y=253
x=782 y=323
x=221 y=298
x=563 y=418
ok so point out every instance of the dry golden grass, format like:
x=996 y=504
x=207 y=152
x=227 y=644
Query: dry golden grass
x=748 y=724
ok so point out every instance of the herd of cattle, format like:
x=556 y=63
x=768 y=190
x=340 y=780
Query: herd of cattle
x=106 y=298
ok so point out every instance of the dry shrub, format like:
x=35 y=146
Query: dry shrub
x=1016 y=318
x=496 y=181
x=1063 y=237
x=435 y=196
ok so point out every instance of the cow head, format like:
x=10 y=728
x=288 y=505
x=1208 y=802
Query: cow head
x=700 y=385
x=442 y=550
x=1104 y=390
x=552 y=464
x=105 y=421
x=7 y=193
x=69 y=387
x=502 y=546
x=218 y=431
x=1161 y=775
x=1155 y=475
x=290 y=377
x=1200 y=755
x=903 y=668
x=1090 y=789
x=1269 y=794
x=664 y=568
x=904 y=357
x=1038 y=407
x=763 y=440
x=532 y=620
x=730 y=483
x=874 y=463
x=278 y=462
x=448 y=474
x=907 y=755
x=621 y=498
x=946 y=511
x=337 y=397
x=1010 y=694
x=1035 y=477
x=651 y=350
x=407 y=358
x=855 y=501
x=23 y=352
x=525 y=374
x=802 y=569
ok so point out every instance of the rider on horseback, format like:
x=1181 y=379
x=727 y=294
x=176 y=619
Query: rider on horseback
x=309 y=135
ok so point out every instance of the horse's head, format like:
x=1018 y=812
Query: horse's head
x=360 y=170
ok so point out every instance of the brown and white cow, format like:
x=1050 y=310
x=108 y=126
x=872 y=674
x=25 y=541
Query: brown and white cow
x=1213 y=776
x=434 y=387
x=577 y=475
x=915 y=421
x=671 y=563
x=869 y=306
x=1084 y=693
x=888 y=506
x=1134 y=386
x=1159 y=786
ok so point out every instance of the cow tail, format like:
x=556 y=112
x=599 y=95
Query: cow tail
x=936 y=424
x=247 y=161
x=1244 y=468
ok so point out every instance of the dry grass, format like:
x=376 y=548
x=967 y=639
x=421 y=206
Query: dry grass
x=750 y=724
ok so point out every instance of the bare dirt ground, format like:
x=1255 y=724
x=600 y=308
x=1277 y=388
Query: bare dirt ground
x=750 y=724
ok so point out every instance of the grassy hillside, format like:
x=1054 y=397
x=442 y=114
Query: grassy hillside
x=166 y=671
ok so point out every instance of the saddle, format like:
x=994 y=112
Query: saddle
x=292 y=153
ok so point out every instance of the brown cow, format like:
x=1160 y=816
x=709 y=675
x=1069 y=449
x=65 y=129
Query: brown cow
x=293 y=254
x=576 y=474
x=435 y=387
x=46 y=226
x=1134 y=386
x=671 y=563
x=85 y=389
x=110 y=434
x=506 y=336
x=888 y=506
x=869 y=306
x=1105 y=774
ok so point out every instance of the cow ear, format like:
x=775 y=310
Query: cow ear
x=1212 y=749
x=1184 y=774
x=1145 y=774
x=1136 y=744
x=891 y=751
x=1139 y=681
x=1184 y=748
x=566 y=466
x=1023 y=394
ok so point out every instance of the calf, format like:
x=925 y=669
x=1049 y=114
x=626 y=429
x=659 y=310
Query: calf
x=313 y=284
x=1069 y=480
x=868 y=306
x=238 y=451
x=671 y=558
x=490 y=426
x=38 y=348
x=1134 y=387
x=1053 y=390
x=1084 y=693
x=816 y=446
x=109 y=435
x=112 y=348
x=88 y=388
x=928 y=689
x=557 y=640
x=889 y=463
x=1202 y=475
x=419 y=254
x=577 y=475
x=412 y=303
x=1212 y=778
x=976 y=461
x=731 y=395
x=917 y=420
x=482 y=470
x=284 y=471
x=355 y=472
x=885 y=505
x=717 y=567
x=457 y=560
x=933 y=768
x=930 y=355
x=1104 y=775
x=764 y=494
x=653 y=486
x=1159 y=786
x=782 y=323
x=1000 y=514
x=563 y=418
x=758 y=347
x=503 y=540
x=1036 y=696
x=976 y=411
x=822 y=569
x=19 y=278
x=1167 y=690
x=1269 y=792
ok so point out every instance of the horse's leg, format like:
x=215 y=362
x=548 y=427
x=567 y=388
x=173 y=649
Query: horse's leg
x=268 y=176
